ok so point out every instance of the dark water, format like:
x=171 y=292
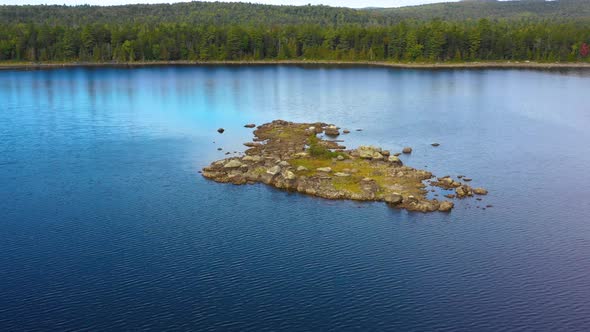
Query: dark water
x=106 y=224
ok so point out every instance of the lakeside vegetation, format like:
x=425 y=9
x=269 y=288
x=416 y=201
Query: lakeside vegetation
x=246 y=32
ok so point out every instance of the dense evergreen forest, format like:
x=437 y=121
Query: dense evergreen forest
x=531 y=30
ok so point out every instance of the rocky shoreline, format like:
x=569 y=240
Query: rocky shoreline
x=291 y=156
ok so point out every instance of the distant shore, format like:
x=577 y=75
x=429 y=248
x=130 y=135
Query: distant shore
x=440 y=65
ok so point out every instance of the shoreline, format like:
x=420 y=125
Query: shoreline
x=440 y=65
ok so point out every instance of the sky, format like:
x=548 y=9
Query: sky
x=338 y=3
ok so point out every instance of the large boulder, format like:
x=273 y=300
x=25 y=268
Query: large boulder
x=395 y=160
x=393 y=198
x=274 y=170
x=331 y=131
x=234 y=163
x=369 y=152
x=254 y=159
x=289 y=175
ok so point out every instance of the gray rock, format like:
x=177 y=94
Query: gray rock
x=302 y=169
x=220 y=130
x=250 y=125
x=289 y=175
x=331 y=131
x=324 y=169
x=340 y=157
x=252 y=158
x=377 y=156
x=233 y=164
x=273 y=170
x=394 y=159
x=435 y=144
x=341 y=174
x=393 y=198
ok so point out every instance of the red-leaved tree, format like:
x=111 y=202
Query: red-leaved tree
x=584 y=50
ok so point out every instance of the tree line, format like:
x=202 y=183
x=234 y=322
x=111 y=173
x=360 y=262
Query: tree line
x=428 y=41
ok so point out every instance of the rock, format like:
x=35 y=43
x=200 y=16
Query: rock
x=219 y=149
x=289 y=175
x=393 y=198
x=233 y=164
x=368 y=152
x=220 y=130
x=340 y=157
x=450 y=195
x=377 y=156
x=460 y=176
x=385 y=153
x=407 y=150
x=331 y=131
x=359 y=129
x=467 y=179
x=346 y=131
x=250 y=125
x=341 y=174
x=284 y=164
x=252 y=144
x=252 y=158
x=302 y=169
x=435 y=144
x=480 y=191
x=273 y=170
x=446 y=206
x=324 y=169
x=395 y=160
x=463 y=191
x=397 y=154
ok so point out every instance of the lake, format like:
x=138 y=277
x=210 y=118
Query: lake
x=106 y=224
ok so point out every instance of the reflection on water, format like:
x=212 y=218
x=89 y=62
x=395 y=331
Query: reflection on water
x=107 y=225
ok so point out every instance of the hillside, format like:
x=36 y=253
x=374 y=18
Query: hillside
x=245 y=13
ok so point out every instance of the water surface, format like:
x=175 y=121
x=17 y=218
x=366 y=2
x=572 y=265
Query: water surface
x=106 y=224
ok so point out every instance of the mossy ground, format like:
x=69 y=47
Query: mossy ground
x=360 y=169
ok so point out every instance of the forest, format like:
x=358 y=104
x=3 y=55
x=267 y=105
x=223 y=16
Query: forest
x=261 y=32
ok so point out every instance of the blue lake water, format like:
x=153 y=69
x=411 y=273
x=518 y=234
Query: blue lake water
x=105 y=223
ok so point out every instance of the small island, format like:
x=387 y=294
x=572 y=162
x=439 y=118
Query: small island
x=291 y=156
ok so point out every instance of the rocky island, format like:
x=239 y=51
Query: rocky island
x=291 y=156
